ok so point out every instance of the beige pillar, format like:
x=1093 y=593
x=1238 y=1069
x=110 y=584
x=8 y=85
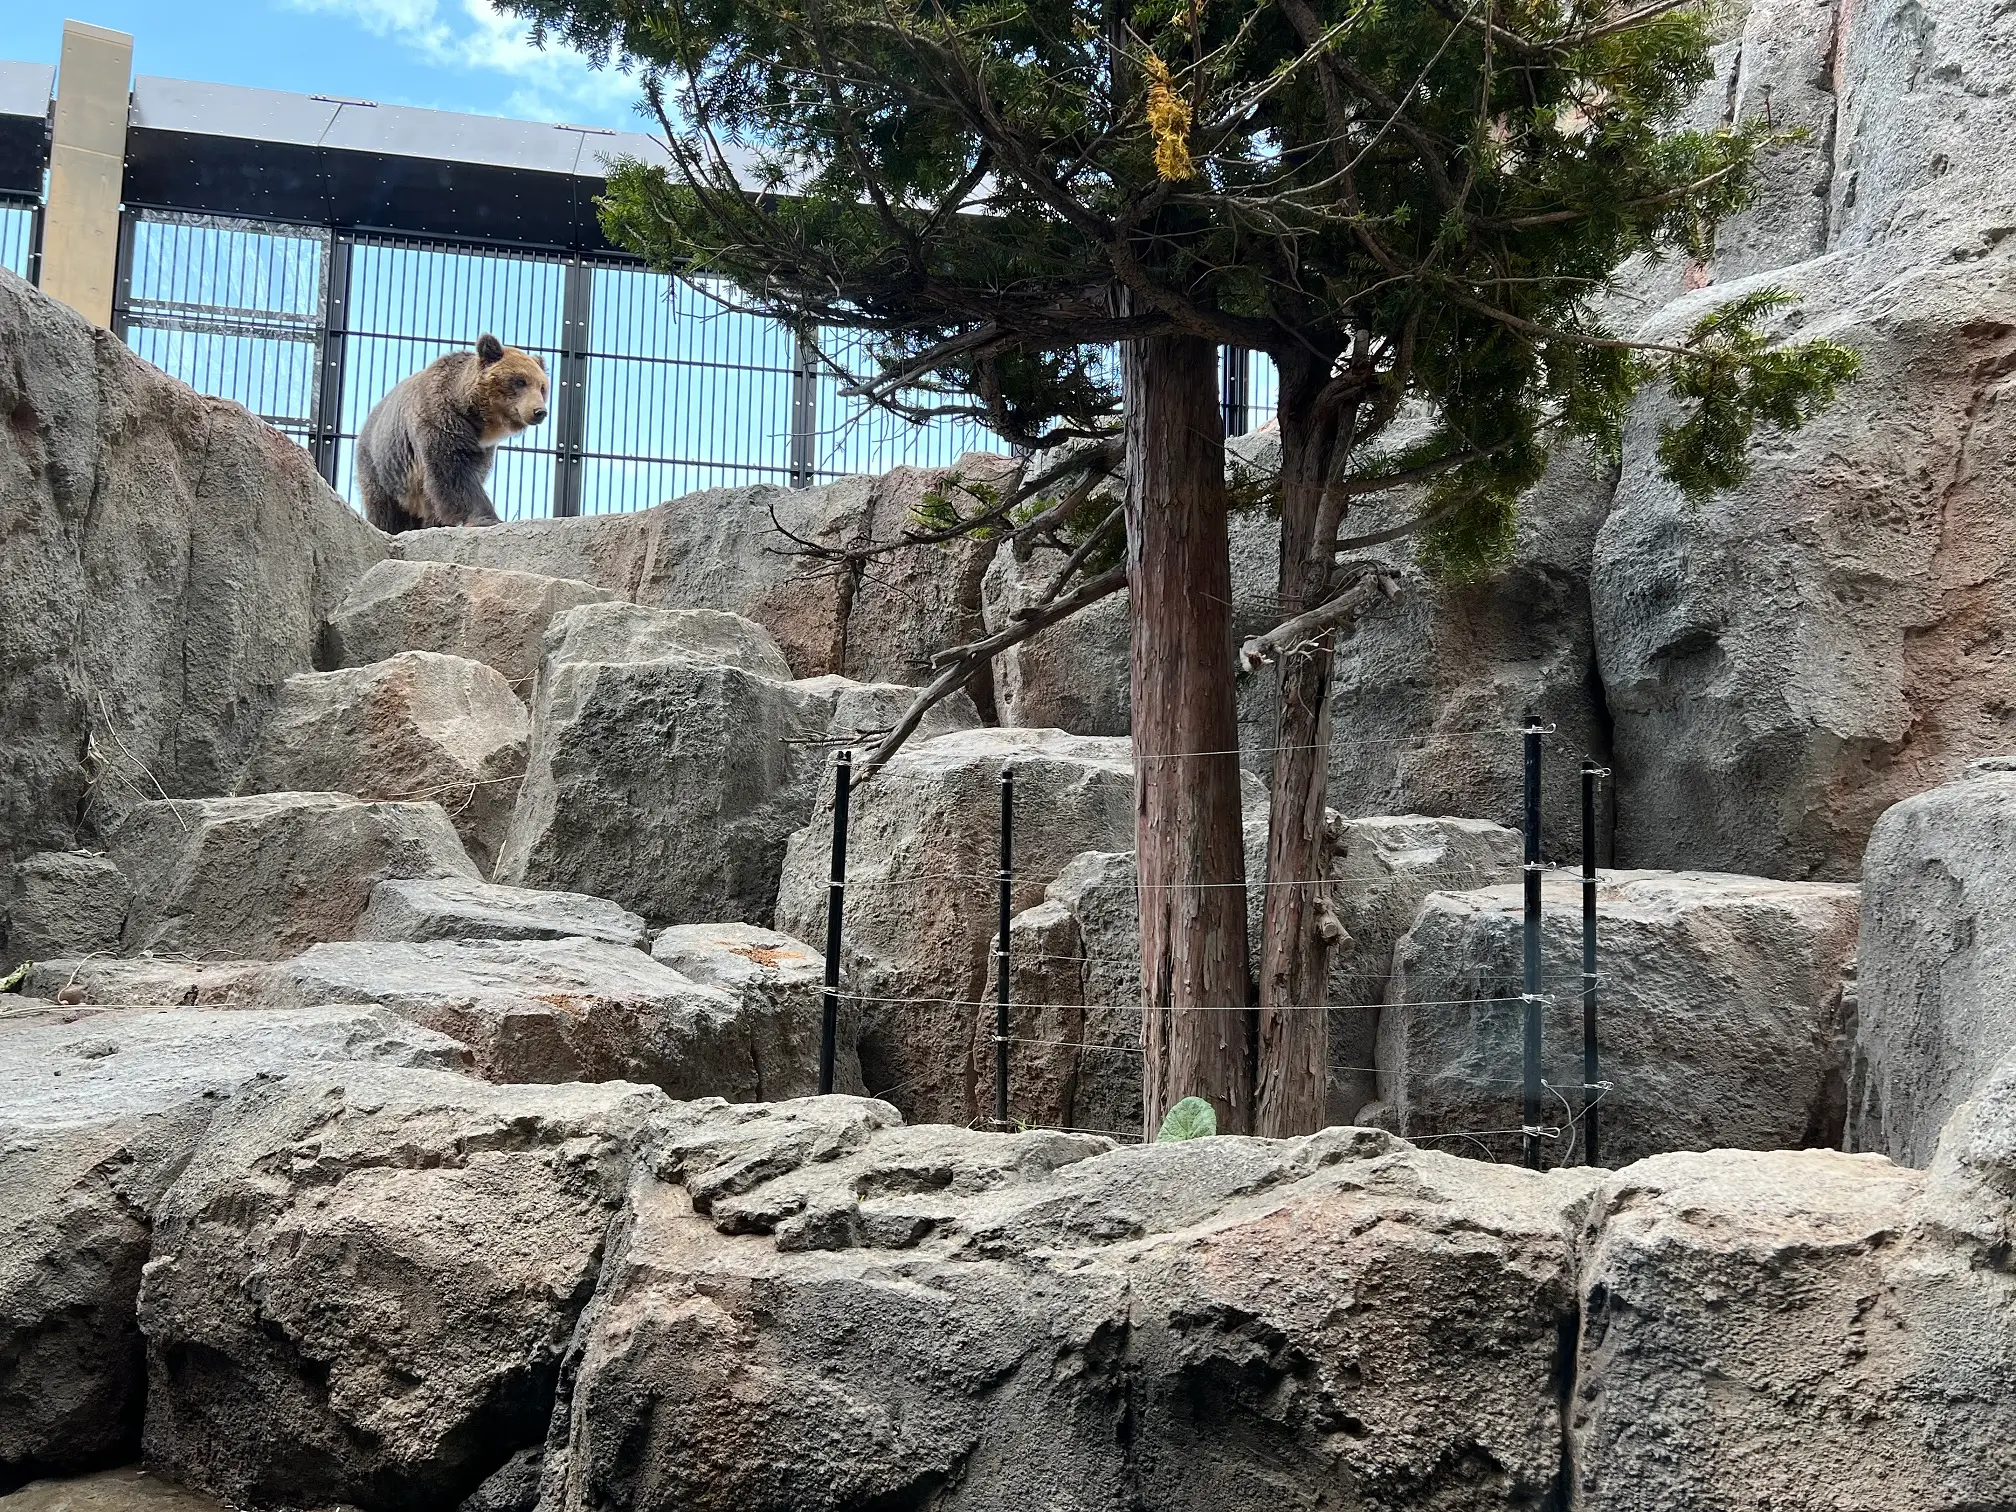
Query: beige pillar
x=87 y=170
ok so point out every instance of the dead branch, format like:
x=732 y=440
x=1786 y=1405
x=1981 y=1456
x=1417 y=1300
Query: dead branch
x=1372 y=582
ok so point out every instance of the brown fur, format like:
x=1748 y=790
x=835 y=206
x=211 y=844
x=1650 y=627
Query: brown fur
x=427 y=446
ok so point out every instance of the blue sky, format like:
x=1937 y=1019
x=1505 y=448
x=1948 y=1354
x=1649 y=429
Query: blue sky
x=445 y=54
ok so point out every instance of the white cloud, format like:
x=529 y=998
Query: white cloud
x=546 y=83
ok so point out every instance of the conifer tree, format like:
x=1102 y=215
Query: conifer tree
x=1413 y=206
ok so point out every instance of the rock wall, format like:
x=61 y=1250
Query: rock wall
x=383 y=1287
x=170 y=562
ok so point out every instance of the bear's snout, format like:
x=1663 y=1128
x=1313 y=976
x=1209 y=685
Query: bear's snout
x=538 y=415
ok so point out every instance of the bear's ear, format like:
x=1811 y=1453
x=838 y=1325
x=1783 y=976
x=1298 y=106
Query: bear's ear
x=489 y=349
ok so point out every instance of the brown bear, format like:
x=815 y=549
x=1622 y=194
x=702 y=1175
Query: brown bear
x=428 y=445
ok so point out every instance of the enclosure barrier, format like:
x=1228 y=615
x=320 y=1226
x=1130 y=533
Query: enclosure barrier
x=1533 y=999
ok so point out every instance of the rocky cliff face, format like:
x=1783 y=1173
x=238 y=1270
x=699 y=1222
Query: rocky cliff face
x=170 y=562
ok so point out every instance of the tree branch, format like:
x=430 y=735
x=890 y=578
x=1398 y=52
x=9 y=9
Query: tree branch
x=1374 y=582
x=960 y=662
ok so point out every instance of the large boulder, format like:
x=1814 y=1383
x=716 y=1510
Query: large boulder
x=97 y=1117
x=418 y=725
x=267 y=876
x=481 y=613
x=778 y=980
x=1720 y=1015
x=62 y=903
x=362 y=1283
x=706 y=550
x=1936 y=973
x=672 y=758
x=575 y=1010
x=170 y=561
x=921 y=909
x=812 y=1309
x=743 y=550
x=1789 y=657
x=1074 y=675
x=453 y=909
x=1384 y=867
x=1796 y=1330
x=1434 y=686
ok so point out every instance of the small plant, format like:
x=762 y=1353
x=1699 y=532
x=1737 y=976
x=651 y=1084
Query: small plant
x=1192 y=1118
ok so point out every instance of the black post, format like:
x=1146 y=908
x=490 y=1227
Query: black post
x=1590 y=772
x=329 y=372
x=1001 y=952
x=836 y=898
x=1531 y=995
x=570 y=391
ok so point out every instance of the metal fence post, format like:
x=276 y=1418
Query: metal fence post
x=804 y=416
x=836 y=902
x=1590 y=1069
x=1531 y=996
x=1236 y=367
x=570 y=403
x=327 y=422
x=1001 y=989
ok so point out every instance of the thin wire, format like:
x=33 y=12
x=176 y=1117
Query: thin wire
x=954 y=1002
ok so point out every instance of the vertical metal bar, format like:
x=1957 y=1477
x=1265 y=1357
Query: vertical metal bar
x=1001 y=988
x=570 y=419
x=330 y=367
x=1235 y=399
x=1590 y=1070
x=836 y=901
x=1531 y=996
x=804 y=415
x=122 y=272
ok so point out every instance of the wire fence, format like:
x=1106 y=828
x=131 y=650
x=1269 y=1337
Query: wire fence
x=17 y=235
x=1507 y=1023
x=662 y=387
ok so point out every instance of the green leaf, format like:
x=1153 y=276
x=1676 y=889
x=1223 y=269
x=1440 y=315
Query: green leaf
x=13 y=980
x=1192 y=1118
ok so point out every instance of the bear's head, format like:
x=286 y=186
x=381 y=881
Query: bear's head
x=510 y=389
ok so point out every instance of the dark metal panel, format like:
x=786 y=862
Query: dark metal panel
x=24 y=125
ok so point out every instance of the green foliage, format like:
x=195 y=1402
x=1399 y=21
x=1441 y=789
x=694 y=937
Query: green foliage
x=1736 y=381
x=1192 y=1118
x=1420 y=202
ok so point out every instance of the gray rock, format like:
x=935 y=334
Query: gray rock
x=923 y=849
x=148 y=982
x=487 y=615
x=574 y=1010
x=1922 y=133
x=622 y=634
x=1788 y=658
x=1788 y=1330
x=266 y=876
x=362 y=1283
x=1385 y=867
x=1435 y=685
x=813 y=1309
x=415 y=911
x=416 y=726
x=130 y=1489
x=97 y=1116
x=903 y=606
x=1935 y=977
x=667 y=777
x=62 y=903
x=1719 y=1002
x=717 y=549
x=776 y=978
x=1074 y=675
x=170 y=562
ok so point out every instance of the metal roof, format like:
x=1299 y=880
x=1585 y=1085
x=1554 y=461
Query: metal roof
x=24 y=125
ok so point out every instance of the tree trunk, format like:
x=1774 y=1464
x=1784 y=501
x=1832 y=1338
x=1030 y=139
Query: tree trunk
x=1196 y=1028
x=1294 y=1030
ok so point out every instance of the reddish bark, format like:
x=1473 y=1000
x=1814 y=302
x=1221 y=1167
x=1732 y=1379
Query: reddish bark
x=1196 y=1029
